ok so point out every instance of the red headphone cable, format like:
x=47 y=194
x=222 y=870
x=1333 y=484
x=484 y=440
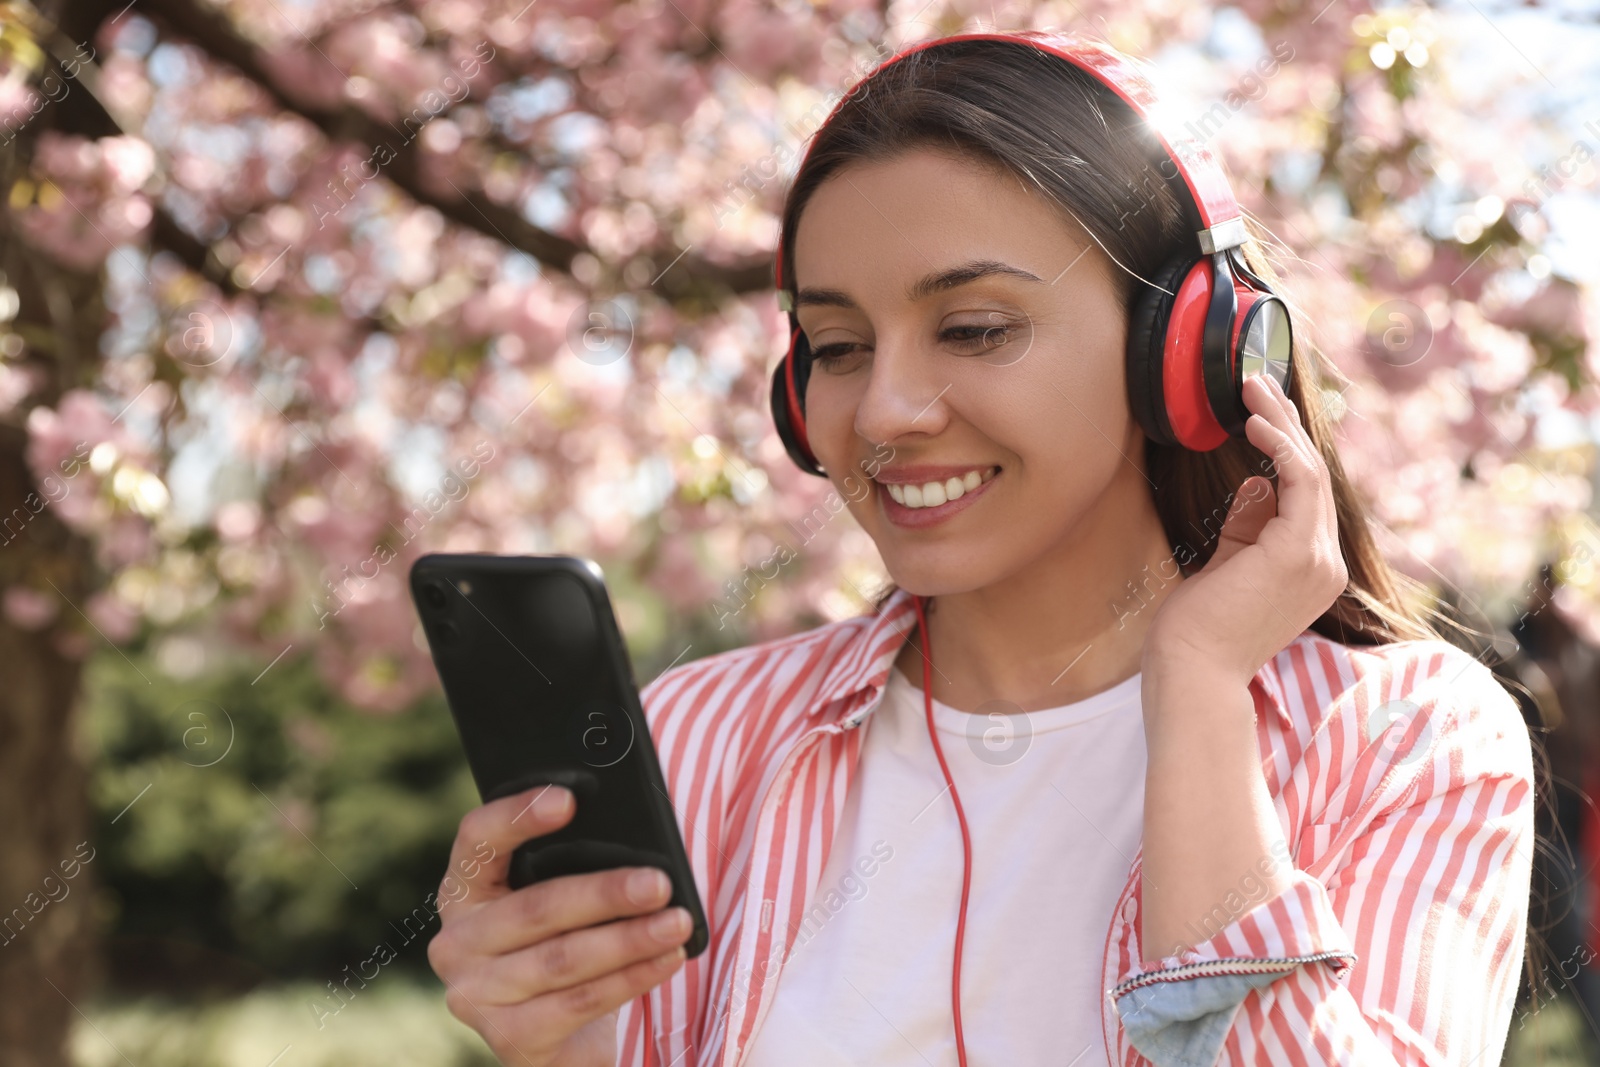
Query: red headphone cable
x=649 y=1034
x=966 y=856
x=961 y=817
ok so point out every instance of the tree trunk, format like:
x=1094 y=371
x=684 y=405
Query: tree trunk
x=49 y=959
x=47 y=953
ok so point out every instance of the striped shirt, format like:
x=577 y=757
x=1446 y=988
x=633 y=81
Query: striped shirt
x=1402 y=775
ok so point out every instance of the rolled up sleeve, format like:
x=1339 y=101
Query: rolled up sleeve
x=1177 y=1010
x=1405 y=950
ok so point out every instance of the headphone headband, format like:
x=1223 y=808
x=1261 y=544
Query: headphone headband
x=1210 y=196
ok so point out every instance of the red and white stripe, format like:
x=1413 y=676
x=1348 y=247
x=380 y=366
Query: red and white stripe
x=1414 y=850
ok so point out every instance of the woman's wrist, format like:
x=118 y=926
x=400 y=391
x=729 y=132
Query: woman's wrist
x=1187 y=694
x=1208 y=817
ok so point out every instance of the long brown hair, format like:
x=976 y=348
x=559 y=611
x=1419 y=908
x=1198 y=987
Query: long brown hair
x=1065 y=134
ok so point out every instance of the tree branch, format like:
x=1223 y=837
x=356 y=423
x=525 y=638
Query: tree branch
x=87 y=114
x=688 y=277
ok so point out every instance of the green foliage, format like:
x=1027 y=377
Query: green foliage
x=1553 y=1036
x=397 y=1023
x=274 y=831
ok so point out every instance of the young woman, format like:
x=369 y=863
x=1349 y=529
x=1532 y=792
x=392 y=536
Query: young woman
x=1147 y=757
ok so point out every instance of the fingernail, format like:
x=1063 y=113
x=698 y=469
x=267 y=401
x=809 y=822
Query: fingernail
x=646 y=886
x=669 y=925
x=553 y=803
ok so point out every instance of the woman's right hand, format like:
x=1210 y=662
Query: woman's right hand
x=539 y=972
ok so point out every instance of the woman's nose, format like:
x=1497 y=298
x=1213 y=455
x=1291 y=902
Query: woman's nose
x=901 y=396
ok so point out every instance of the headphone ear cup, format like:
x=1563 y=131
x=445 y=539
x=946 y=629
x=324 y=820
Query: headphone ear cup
x=800 y=353
x=1146 y=350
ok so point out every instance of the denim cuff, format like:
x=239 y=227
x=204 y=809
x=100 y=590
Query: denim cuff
x=1183 y=1023
x=1177 y=1010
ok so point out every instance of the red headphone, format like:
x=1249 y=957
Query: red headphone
x=1191 y=340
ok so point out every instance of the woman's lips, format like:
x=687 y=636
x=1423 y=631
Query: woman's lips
x=916 y=518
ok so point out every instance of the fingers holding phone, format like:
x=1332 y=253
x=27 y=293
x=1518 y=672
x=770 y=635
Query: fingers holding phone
x=480 y=858
x=540 y=971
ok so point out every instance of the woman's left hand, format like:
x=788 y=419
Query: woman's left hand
x=1278 y=565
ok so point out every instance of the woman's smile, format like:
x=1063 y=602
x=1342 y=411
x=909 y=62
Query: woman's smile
x=923 y=495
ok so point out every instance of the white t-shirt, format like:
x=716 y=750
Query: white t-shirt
x=1054 y=802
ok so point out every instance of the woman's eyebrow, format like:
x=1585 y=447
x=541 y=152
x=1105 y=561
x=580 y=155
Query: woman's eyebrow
x=937 y=282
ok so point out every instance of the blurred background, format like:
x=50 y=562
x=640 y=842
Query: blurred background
x=292 y=291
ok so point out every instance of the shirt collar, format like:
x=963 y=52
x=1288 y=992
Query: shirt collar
x=865 y=662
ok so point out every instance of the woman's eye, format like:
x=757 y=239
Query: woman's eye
x=978 y=338
x=973 y=339
x=830 y=352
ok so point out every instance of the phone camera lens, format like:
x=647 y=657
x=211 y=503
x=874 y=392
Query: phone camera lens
x=433 y=593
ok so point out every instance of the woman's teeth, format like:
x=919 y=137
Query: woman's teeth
x=932 y=494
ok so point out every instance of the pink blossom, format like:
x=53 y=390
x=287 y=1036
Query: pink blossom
x=115 y=618
x=238 y=520
x=30 y=608
x=126 y=540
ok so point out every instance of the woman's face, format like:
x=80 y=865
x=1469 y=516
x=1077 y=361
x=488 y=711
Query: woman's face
x=970 y=345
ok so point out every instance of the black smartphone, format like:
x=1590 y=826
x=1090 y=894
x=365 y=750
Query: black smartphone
x=541 y=689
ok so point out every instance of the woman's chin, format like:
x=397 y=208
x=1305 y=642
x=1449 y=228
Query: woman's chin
x=927 y=577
